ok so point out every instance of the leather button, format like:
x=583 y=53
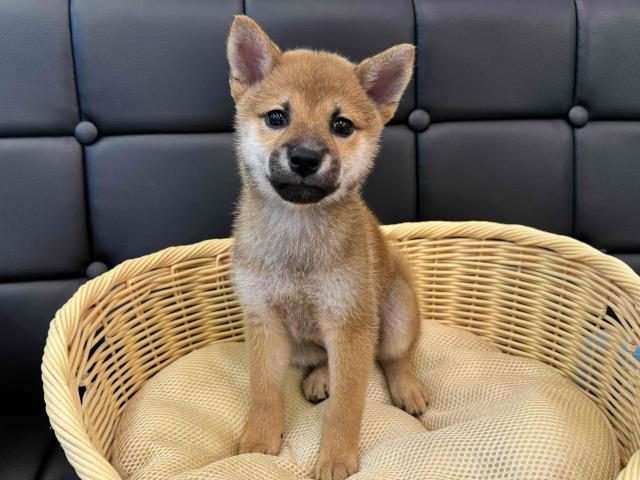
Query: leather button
x=96 y=268
x=578 y=116
x=419 y=120
x=86 y=133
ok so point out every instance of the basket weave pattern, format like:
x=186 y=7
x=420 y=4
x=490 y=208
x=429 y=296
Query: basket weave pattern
x=531 y=293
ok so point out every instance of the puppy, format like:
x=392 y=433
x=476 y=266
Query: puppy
x=320 y=286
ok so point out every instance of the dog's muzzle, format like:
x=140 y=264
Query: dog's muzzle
x=304 y=187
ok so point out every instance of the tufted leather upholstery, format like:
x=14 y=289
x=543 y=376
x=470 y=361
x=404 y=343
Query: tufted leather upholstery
x=116 y=139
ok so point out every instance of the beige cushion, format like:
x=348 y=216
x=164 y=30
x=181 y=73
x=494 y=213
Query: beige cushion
x=491 y=416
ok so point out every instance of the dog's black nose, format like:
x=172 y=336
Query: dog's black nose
x=305 y=161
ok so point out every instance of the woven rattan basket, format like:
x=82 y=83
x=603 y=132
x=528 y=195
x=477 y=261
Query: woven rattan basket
x=531 y=293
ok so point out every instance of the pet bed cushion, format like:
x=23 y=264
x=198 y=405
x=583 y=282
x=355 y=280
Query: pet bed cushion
x=491 y=416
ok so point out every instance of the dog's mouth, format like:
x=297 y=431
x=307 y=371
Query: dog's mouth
x=301 y=193
x=293 y=188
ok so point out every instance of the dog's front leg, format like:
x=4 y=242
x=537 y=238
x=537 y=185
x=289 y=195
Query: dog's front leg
x=350 y=350
x=270 y=354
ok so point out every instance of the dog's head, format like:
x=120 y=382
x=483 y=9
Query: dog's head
x=308 y=123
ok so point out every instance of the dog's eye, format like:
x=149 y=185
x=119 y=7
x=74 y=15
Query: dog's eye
x=342 y=126
x=276 y=119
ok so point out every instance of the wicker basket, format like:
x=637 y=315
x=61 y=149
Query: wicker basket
x=531 y=293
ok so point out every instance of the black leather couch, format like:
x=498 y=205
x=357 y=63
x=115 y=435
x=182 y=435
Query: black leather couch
x=116 y=140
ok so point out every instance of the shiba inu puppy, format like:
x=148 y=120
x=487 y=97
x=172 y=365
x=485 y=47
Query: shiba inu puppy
x=319 y=285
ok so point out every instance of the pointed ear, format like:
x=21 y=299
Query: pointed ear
x=385 y=76
x=251 y=54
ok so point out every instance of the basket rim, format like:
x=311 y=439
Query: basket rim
x=63 y=405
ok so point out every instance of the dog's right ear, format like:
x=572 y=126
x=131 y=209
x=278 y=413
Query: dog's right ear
x=251 y=54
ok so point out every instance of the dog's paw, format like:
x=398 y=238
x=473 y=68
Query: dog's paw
x=337 y=467
x=315 y=386
x=261 y=441
x=409 y=396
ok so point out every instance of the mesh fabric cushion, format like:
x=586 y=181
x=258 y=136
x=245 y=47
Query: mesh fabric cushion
x=491 y=416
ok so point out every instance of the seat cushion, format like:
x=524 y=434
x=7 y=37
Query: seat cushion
x=491 y=415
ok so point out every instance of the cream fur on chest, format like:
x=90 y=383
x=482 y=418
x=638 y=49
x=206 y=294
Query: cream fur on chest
x=292 y=261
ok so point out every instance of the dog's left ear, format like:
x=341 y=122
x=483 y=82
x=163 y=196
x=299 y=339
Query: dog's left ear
x=385 y=76
x=251 y=54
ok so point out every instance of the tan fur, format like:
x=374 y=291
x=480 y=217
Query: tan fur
x=319 y=284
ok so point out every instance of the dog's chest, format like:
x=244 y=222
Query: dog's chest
x=294 y=268
x=294 y=243
x=289 y=296
x=301 y=301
